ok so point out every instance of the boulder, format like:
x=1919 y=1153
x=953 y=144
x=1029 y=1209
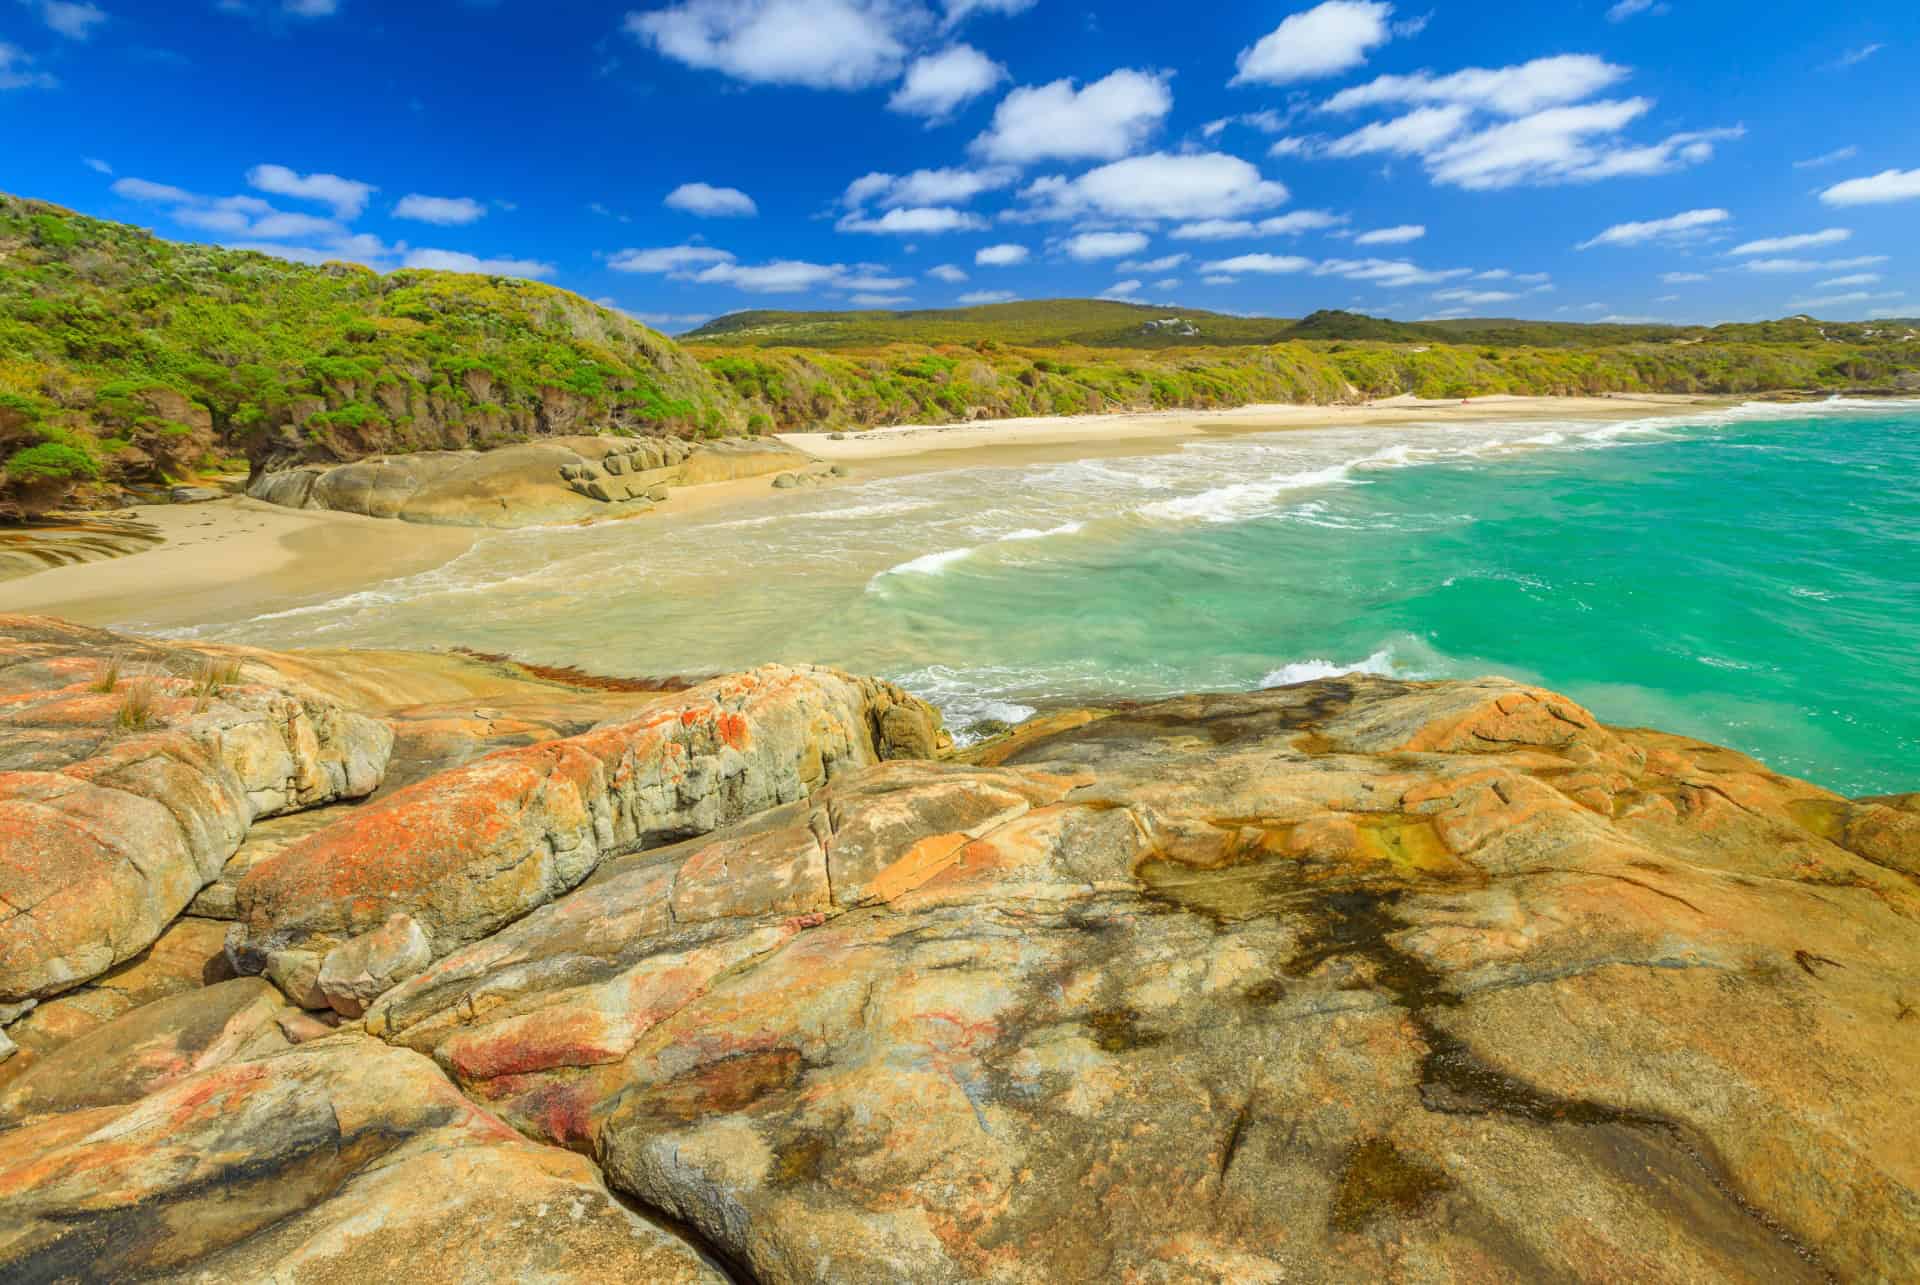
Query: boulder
x=337 y=1160
x=468 y=851
x=1350 y=981
x=732 y=459
x=118 y=806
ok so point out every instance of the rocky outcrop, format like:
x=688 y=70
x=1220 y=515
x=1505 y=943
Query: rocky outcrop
x=467 y=851
x=554 y=480
x=128 y=778
x=338 y=1160
x=1355 y=980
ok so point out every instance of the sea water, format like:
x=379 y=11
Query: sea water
x=1748 y=576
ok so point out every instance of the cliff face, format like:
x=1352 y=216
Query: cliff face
x=1352 y=980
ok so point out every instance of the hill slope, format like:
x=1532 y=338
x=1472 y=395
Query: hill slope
x=128 y=359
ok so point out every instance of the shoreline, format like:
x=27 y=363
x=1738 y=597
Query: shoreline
x=239 y=554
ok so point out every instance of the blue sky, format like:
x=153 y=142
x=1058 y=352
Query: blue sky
x=1685 y=160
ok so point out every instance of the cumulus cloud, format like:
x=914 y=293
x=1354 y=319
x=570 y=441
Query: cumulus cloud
x=1122 y=289
x=1506 y=91
x=1777 y=266
x=1109 y=118
x=1166 y=264
x=97 y=165
x=1888 y=185
x=1265 y=264
x=1002 y=256
x=880 y=300
x=1626 y=9
x=1474 y=298
x=447 y=211
x=1686 y=226
x=1160 y=185
x=948 y=273
x=1392 y=236
x=712 y=202
x=1104 y=245
x=1684 y=278
x=666 y=259
x=1857 y=279
x=1292 y=224
x=958 y=11
x=979 y=297
x=1567 y=145
x=938 y=85
x=1414 y=134
x=949 y=186
x=1781 y=244
x=139 y=189
x=347 y=196
x=1393 y=274
x=925 y=220
x=455 y=261
x=1327 y=39
x=783 y=276
x=819 y=44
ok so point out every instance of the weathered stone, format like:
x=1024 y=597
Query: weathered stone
x=474 y=848
x=1340 y=982
x=372 y=964
x=121 y=805
x=339 y=1160
x=193 y=494
x=786 y=481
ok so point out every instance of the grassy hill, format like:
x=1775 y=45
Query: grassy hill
x=126 y=359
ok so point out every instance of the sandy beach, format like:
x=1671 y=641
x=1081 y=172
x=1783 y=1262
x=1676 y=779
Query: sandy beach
x=244 y=556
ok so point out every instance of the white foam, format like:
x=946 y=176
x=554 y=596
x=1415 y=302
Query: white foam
x=1241 y=500
x=1305 y=671
x=1031 y=533
x=928 y=564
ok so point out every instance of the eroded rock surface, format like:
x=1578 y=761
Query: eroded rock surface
x=1349 y=981
x=129 y=773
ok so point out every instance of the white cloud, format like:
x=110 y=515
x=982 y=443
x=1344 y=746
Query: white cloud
x=1160 y=185
x=783 y=276
x=1414 y=134
x=662 y=320
x=1780 y=244
x=1394 y=274
x=1104 y=245
x=1854 y=57
x=880 y=300
x=951 y=186
x=1850 y=297
x=820 y=44
x=323 y=9
x=923 y=220
x=97 y=165
x=1777 y=266
x=1474 y=298
x=1166 y=264
x=958 y=11
x=1857 y=279
x=1834 y=157
x=347 y=197
x=139 y=189
x=1122 y=289
x=872 y=282
x=455 y=261
x=1626 y=9
x=75 y=21
x=1268 y=121
x=1002 y=256
x=1327 y=39
x=1279 y=225
x=1506 y=91
x=938 y=85
x=1684 y=278
x=1266 y=264
x=1888 y=185
x=1680 y=227
x=1392 y=236
x=1561 y=145
x=1167 y=283
x=14 y=73
x=711 y=202
x=447 y=211
x=987 y=296
x=1109 y=118
x=948 y=273
x=664 y=259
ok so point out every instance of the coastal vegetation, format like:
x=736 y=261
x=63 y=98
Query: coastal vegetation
x=128 y=362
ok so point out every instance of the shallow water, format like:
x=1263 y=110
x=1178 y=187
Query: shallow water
x=1749 y=576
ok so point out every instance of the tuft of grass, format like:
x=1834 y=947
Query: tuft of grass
x=110 y=676
x=214 y=677
x=136 y=712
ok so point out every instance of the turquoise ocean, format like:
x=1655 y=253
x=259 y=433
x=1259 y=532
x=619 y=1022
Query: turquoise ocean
x=1749 y=576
